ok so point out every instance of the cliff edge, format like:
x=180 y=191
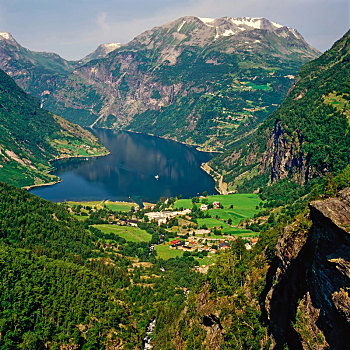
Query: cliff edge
x=307 y=299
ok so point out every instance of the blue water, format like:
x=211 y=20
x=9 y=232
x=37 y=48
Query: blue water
x=128 y=172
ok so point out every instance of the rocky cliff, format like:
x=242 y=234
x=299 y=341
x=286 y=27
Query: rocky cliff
x=307 y=298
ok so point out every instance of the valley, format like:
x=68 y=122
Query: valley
x=188 y=189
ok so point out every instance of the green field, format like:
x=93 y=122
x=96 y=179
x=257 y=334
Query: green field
x=163 y=252
x=207 y=260
x=115 y=206
x=120 y=206
x=132 y=234
x=244 y=206
x=227 y=229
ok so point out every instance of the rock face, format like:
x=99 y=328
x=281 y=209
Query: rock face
x=283 y=157
x=308 y=298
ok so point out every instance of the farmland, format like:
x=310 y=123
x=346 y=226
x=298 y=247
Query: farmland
x=129 y=233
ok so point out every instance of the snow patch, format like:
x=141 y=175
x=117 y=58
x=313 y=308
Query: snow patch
x=181 y=25
x=228 y=32
x=113 y=45
x=6 y=35
x=255 y=23
x=276 y=25
x=206 y=20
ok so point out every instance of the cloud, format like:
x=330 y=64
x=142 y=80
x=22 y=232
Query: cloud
x=101 y=20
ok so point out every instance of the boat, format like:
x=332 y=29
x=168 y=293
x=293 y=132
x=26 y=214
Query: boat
x=157 y=177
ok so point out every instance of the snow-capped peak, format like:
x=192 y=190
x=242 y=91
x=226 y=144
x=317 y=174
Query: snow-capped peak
x=6 y=35
x=255 y=23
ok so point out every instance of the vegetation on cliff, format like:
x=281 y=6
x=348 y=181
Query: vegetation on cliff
x=31 y=136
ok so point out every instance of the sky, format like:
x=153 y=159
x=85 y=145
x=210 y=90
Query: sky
x=74 y=28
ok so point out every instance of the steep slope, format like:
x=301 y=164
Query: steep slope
x=51 y=297
x=202 y=81
x=35 y=72
x=31 y=136
x=307 y=136
x=102 y=51
x=311 y=279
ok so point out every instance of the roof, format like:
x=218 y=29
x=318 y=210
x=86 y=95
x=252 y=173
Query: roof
x=224 y=245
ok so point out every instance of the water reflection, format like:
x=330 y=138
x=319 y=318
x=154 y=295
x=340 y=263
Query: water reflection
x=130 y=171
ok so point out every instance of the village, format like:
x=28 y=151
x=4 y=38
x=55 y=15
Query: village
x=199 y=227
x=190 y=239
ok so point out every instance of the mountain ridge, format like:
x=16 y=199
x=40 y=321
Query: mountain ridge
x=178 y=69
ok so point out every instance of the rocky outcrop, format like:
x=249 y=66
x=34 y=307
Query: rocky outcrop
x=307 y=299
x=284 y=157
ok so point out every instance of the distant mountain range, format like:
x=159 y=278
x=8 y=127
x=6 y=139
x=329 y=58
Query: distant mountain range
x=197 y=80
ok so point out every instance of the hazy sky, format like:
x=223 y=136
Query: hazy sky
x=74 y=28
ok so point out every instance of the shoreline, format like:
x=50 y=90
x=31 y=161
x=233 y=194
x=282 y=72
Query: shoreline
x=220 y=185
x=51 y=183
x=194 y=145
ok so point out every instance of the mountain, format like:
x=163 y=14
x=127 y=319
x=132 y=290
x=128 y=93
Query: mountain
x=30 y=137
x=35 y=72
x=306 y=137
x=102 y=51
x=195 y=80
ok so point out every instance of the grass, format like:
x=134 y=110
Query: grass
x=243 y=207
x=120 y=206
x=207 y=260
x=165 y=253
x=227 y=229
x=115 y=206
x=240 y=201
x=131 y=234
x=259 y=87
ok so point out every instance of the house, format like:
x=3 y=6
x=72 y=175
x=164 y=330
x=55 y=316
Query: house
x=187 y=248
x=203 y=207
x=201 y=232
x=248 y=246
x=224 y=245
x=132 y=223
x=254 y=241
x=175 y=243
x=216 y=205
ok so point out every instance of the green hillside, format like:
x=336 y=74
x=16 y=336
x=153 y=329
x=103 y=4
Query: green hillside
x=306 y=137
x=31 y=136
x=63 y=287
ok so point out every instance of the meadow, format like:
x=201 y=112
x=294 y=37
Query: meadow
x=129 y=233
x=115 y=206
x=165 y=253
